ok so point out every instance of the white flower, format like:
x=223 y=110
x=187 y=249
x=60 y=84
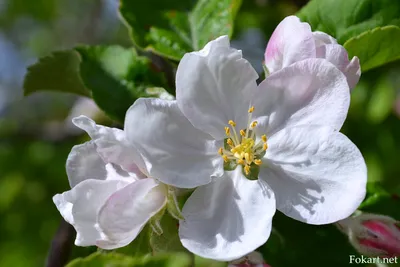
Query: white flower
x=111 y=197
x=293 y=41
x=309 y=170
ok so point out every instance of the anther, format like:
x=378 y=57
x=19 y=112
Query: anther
x=251 y=109
x=229 y=142
x=247 y=169
x=253 y=124
x=242 y=133
x=265 y=146
x=247 y=157
x=221 y=151
x=264 y=138
x=240 y=161
x=225 y=157
x=227 y=131
x=232 y=123
x=258 y=161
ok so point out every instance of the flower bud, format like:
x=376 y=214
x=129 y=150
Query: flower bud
x=373 y=235
x=254 y=259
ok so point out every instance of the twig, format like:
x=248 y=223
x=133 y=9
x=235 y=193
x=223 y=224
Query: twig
x=61 y=245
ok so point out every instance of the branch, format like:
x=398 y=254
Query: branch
x=61 y=245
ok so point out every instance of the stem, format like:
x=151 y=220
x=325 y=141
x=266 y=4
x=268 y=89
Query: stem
x=61 y=245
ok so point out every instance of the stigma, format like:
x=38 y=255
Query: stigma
x=242 y=148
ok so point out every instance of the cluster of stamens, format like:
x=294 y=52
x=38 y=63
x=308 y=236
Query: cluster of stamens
x=242 y=147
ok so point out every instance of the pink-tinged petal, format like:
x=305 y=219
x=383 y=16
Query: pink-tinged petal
x=80 y=206
x=322 y=38
x=353 y=72
x=337 y=55
x=112 y=146
x=85 y=163
x=312 y=91
x=228 y=218
x=373 y=235
x=317 y=174
x=176 y=152
x=291 y=41
x=125 y=213
x=214 y=86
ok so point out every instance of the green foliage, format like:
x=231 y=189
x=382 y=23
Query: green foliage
x=140 y=246
x=344 y=19
x=298 y=244
x=99 y=259
x=114 y=76
x=169 y=240
x=57 y=72
x=376 y=47
x=361 y=25
x=171 y=28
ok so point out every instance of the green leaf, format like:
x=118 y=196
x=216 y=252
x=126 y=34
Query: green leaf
x=381 y=101
x=57 y=72
x=344 y=19
x=113 y=259
x=169 y=240
x=140 y=246
x=171 y=28
x=376 y=47
x=382 y=203
x=201 y=262
x=116 y=76
x=305 y=245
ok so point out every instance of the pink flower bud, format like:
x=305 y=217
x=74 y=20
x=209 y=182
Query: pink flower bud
x=254 y=259
x=373 y=235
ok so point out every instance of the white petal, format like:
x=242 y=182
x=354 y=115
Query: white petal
x=318 y=175
x=312 y=91
x=85 y=163
x=176 y=153
x=353 y=72
x=337 y=55
x=127 y=211
x=214 y=86
x=112 y=145
x=80 y=206
x=322 y=38
x=291 y=41
x=228 y=218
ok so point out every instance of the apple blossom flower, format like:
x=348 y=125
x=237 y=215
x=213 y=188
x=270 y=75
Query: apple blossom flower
x=293 y=41
x=250 y=149
x=372 y=234
x=111 y=198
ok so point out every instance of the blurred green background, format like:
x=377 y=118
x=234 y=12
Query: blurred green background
x=36 y=134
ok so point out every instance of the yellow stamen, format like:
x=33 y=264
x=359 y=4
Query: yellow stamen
x=240 y=161
x=221 y=151
x=247 y=169
x=227 y=131
x=242 y=133
x=251 y=109
x=258 y=161
x=264 y=138
x=253 y=124
x=225 y=157
x=265 y=146
x=229 y=142
x=232 y=123
x=247 y=157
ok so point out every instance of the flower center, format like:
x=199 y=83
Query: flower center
x=242 y=148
